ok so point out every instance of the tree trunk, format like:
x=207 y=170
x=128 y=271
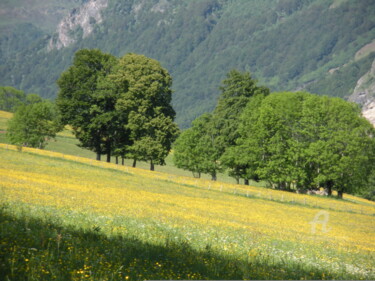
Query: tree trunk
x=329 y=186
x=117 y=160
x=152 y=167
x=197 y=175
x=339 y=194
x=98 y=156
x=108 y=151
x=122 y=161
x=246 y=181
x=238 y=180
x=134 y=163
x=214 y=177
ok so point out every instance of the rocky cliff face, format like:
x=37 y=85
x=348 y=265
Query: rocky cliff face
x=364 y=94
x=84 y=17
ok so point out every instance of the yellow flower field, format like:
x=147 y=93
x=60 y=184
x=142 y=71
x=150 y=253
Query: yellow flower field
x=5 y=115
x=237 y=221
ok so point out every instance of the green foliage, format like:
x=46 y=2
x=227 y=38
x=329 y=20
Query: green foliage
x=186 y=154
x=119 y=107
x=195 y=150
x=34 y=125
x=144 y=97
x=241 y=157
x=83 y=105
x=11 y=98
x=368 y=191
x=299 y=140
x=201 y=148
x=237 y=90
x=342 y=82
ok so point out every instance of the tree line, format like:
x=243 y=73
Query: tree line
x=115 y=106
x=291 y=140
x=121 y=107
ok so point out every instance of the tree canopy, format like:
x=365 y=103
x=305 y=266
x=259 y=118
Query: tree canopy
x=300 y=140
x=119 y=107
x=82 y=103
x=145 y=98
x=216 y=132
x=34 y=125
x=11 y=98
x=292 y=140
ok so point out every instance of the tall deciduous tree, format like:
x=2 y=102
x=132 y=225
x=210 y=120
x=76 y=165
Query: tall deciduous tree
x=195 y=149
x=34 y=124
x=85 y=104
x=145 y=99
x=216 y=133
x=187 y=154
x=242 y=158
x=237 y=90
x=341 y=144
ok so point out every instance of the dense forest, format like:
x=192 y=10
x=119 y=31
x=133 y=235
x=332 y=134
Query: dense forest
x=286 y=45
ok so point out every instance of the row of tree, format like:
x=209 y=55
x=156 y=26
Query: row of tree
x=119 y=107
x=291 y=140
x=122 y=108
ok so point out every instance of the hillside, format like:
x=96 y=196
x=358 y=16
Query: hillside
x=43 y=15
x=67 y=218
x=66 y=143
x=323 y=46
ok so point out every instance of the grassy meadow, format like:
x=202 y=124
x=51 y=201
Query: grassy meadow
x=71 y=218
x=66 y=143
x=65 y=216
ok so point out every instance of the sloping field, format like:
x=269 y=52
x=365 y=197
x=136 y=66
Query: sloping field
x=70 y=218
x=66 y=143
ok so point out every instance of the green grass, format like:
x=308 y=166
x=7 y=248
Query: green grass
x=64 y=220
x=40 y=247
x=66 y=143
x=69 y=145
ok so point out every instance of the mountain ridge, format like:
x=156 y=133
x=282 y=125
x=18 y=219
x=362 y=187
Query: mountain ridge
x=287 y=45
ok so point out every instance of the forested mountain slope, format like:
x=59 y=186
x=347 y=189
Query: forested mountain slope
x=323 y=46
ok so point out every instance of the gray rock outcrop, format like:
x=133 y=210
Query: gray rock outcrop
x=364 y=94
x=84 y=17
